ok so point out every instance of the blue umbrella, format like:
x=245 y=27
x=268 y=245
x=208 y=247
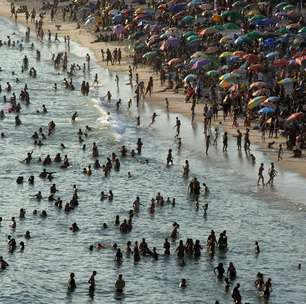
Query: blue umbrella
x=117 y=18
x=263 y=22
x=272 y=55
x=196 y=2
x=242 y=39
x=177 y=7
x=269 y=42
x=266 y=110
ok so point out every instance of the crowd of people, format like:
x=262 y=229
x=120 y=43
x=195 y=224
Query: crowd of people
x=235 y=94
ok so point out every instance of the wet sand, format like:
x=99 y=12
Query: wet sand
x=176 y=100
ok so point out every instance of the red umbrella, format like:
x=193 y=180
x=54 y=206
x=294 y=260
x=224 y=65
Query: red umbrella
x=295 y=116
x=255 y=67
x=251 y=58
x=279 y=63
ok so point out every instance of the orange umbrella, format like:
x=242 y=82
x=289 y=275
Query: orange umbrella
x=208 y=31
x=255 y=67
x=239 y=54
x=174 y=61
x=251 y=58
x=216 y=18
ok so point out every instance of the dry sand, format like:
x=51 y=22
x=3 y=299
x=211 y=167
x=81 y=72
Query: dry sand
x=176 y=100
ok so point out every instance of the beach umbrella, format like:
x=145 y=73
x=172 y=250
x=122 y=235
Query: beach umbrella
x=255 y=67
x=261 y=92
x=282 y=30
x=281 y=5
x=149 y=55
x=288 y=7
x=192 y=38
x=231 y=15
x=200 y=63
x=117 y=18
x=233 y=59
x=226 y=54
x=286 y=81
x=211 y=50
x=242 y=40
x=225 y=84
x=174 y=61
x=190 y=33
x=255 y=102
x=118 y=29
x=190 y=77
x=196 y=2
x=228 y=77
x=218 y=27
x=279 y=63
x=302 y=30
x=263 y=22
x=198 y=54
x=177 y=7
x=251 y=58
x=259 y=84
x=213 y=73
x=188 y=19
x=231 y=26
x=171 y=42
x=266 y=110
x=216 y=18
x=257 y=17
x=272 y=99
x=208 y=31
x=295 y=116
x=239 y=53
x=254 y=35
x=225 y=39
x=272 y=55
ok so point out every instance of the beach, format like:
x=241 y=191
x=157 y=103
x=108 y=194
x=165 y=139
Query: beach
x=76 y=230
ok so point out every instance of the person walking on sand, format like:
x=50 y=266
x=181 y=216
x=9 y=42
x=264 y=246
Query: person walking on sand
x=280 y=152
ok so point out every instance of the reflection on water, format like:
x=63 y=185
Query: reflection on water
x=248 y=213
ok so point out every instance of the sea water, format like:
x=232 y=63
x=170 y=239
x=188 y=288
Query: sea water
x=275 y=217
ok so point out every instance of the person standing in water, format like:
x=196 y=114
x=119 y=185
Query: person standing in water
x=120 y=284
x=92 y=282
x=260 y=174
x=272 y=174
x=71 y=282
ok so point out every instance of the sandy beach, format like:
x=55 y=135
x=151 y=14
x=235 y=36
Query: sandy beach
x=176 y=100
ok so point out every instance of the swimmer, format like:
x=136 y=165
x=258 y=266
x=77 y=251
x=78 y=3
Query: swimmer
x=183 y=283
x=120 y=284
x=71 y=282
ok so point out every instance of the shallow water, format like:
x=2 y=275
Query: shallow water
x=274 y=217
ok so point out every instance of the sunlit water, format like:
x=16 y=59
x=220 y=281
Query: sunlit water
x=275 y=217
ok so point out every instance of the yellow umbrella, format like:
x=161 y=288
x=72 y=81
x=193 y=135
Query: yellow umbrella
x=253 y=103
x=226 y=54
x=216 y=18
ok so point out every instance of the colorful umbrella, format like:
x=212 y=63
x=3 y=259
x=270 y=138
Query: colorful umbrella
x=255 y=102
x=213 y=73
x=225 y=54
x=174 y=61
x=200 y=63
x=280 y=62
x=188 y=19
x=231 y=26
x=295 y=116
x=259 y=84
x=286 y=81
x=266 y=110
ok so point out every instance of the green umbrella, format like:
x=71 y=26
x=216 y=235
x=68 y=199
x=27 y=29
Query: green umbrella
x=192 y=38
x=254 y=35
x=233 y=15
x=190 y=33
x=231 y=26
x=302 y=30
x=218 y=27
x=288 y=7
x=213 y=73
x=149 y=54
x=257 y=17
x=282 y=30
x=188 y=19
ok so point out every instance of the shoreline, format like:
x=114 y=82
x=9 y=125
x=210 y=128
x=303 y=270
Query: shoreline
x=176 y=100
